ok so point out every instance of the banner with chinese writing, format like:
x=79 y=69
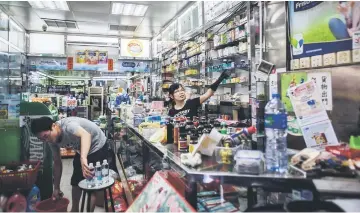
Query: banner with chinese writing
x=322 y=81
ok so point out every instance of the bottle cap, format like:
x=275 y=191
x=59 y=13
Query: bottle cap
x=251 y=130
x=275 y=95
x=98 y=163
x=104 y=161
x=91 y=165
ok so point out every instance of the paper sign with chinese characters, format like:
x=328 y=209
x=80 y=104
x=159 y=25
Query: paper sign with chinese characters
x=70 y=63
x=306 y=101
x=312 y=118
x=323 y=83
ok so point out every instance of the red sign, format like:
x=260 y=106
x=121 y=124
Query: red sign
x=70 y=63
x=110 y=64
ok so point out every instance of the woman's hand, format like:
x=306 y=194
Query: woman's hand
x=85 y=168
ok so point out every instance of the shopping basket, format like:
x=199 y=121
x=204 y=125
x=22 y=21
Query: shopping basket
x=51 y=205
x=21 y=179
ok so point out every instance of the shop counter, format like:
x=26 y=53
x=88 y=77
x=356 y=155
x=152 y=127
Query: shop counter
x=211 y=171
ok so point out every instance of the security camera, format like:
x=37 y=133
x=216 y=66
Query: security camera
x=44 y=27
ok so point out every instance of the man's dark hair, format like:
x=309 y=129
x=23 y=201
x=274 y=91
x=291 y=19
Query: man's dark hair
x=41 y=124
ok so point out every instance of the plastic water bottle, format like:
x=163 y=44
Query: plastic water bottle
x=90 y=181
x=98 y=174
x=276 y=132
x=105 y=171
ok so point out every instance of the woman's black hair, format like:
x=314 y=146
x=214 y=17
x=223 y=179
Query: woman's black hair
x=172 y=89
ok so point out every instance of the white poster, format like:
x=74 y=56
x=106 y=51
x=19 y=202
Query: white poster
x=323 y=83
x=319 y=135
x=135 y=48
x=312 y=118
x=307 y=103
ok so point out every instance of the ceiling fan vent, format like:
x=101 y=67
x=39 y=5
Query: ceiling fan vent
x=60 y=23
x=122 y=28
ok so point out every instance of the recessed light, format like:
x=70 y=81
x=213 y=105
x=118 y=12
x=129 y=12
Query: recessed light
x=53 y=5
x=129 y=9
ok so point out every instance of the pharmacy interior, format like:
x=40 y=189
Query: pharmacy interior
x=273 y=125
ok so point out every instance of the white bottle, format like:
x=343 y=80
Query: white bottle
x=90 y=181
x=105 y=171
x=98 y=174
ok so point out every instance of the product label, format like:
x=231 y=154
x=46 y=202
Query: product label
x=276 y=121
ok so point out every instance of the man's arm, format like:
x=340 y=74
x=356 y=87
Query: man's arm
x=57 y=166
x=85 y=140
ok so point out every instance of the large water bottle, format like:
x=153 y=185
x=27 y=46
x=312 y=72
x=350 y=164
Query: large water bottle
x=98 y=174
x=276 y=132
x=90 y=181
x=105 y=171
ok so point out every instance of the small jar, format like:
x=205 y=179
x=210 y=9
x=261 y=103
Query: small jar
x=182 y=143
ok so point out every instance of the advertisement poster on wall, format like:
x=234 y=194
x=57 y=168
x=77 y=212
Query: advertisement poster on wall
x=289 y=80
x=135 y=48
x=323 y=27
x=83 y=60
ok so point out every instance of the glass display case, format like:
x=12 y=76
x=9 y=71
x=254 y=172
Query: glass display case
x=214 y=183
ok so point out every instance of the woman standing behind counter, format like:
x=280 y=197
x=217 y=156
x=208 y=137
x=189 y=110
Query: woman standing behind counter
x=181 y=107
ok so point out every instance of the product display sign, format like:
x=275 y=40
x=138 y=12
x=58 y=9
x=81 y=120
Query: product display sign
x=323 y=27
x=134 y=66
x=289 y=80
x=59 y=89
x=135 y=48
x=160 y=196
x=311 y=115
x=84 y=60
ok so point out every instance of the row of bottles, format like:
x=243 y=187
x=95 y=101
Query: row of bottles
x=100 y=174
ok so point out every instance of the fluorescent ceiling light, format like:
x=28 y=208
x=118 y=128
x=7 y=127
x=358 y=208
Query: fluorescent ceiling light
x=53 y=5
x=129 y=9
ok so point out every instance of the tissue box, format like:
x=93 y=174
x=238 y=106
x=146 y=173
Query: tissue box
x=343 y=57
x=329 y=59
x=316 y=61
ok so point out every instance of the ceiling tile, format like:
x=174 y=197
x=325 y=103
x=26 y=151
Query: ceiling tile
x=125 y=20
x=163 y=11
x=18 y=11
x=91 y=17
x=55 y=14
x=90 y=6
x=32 y=22
x=92 y=26
x=16 y=3
x=154 y=21
x=147 y=30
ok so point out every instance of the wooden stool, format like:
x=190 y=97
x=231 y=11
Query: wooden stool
x=106 y=185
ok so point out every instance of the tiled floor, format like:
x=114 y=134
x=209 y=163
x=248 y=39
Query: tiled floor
x=65 y=183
